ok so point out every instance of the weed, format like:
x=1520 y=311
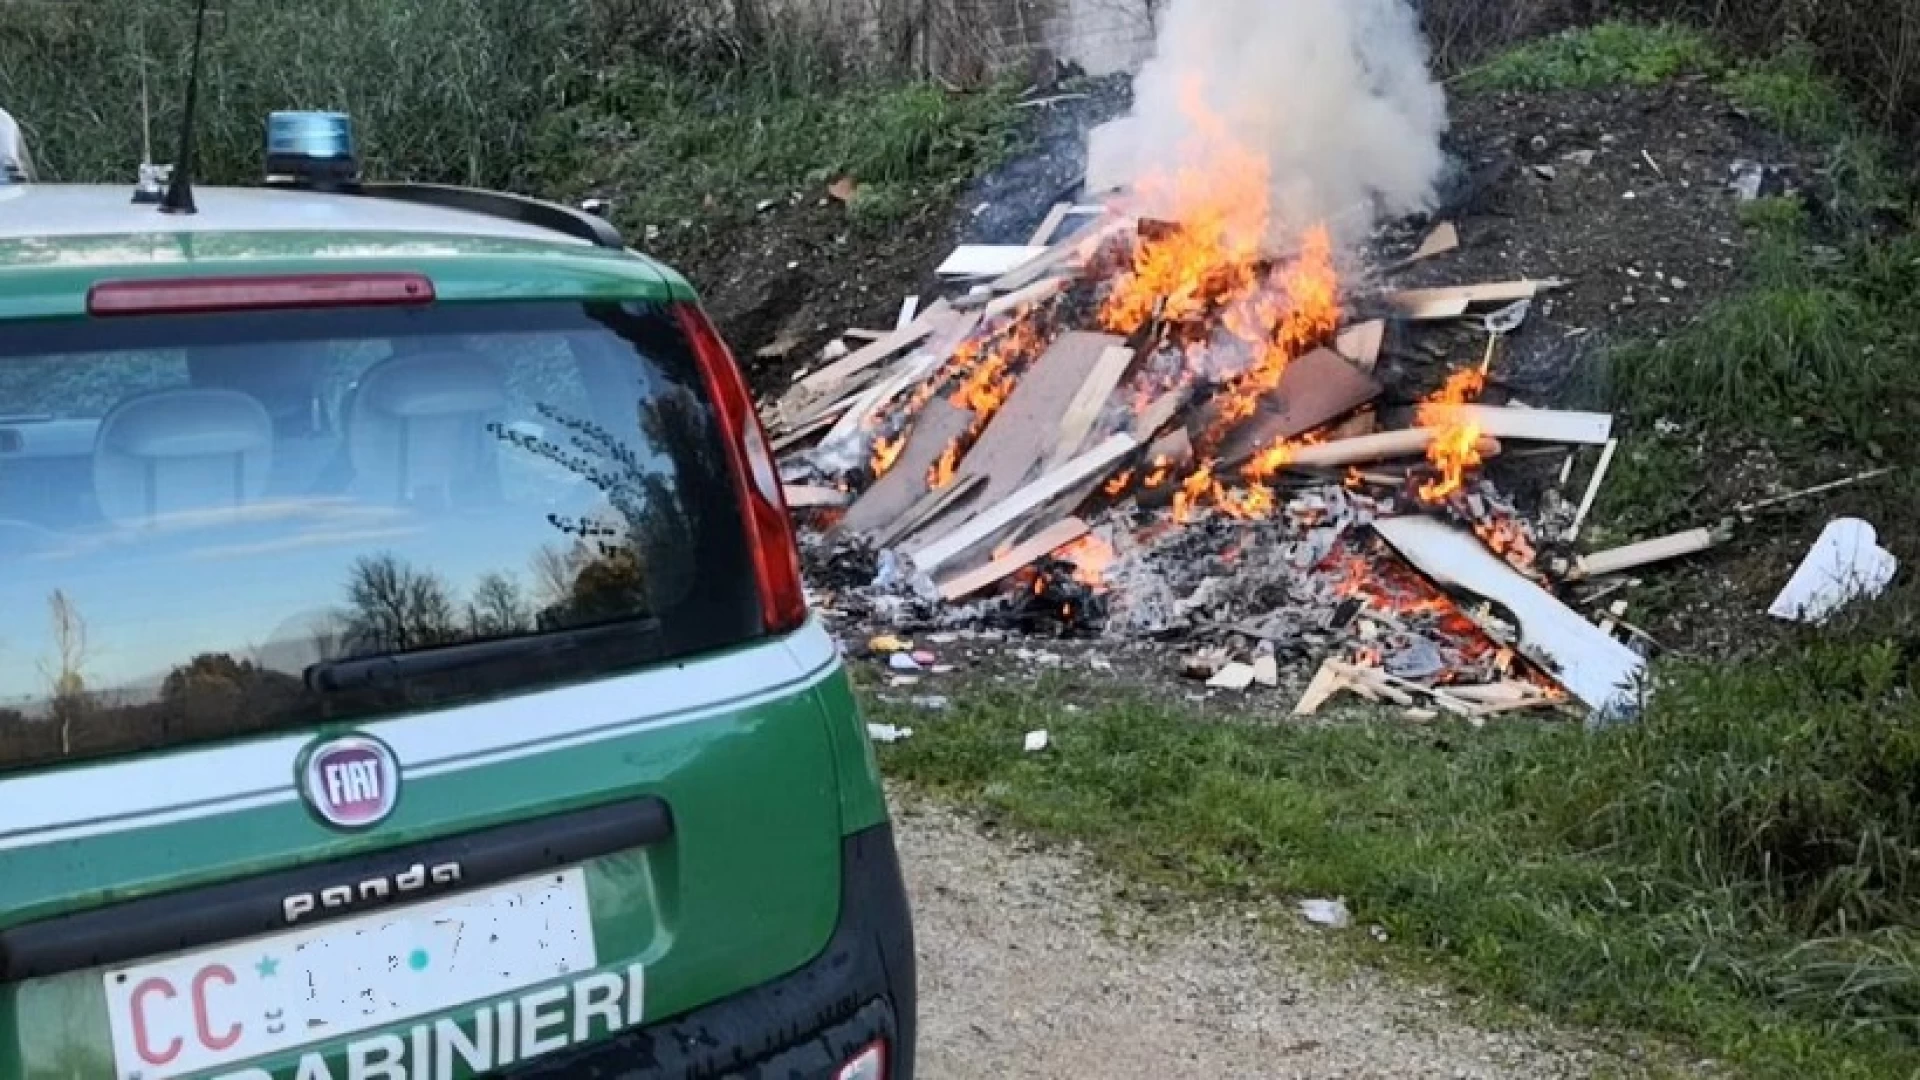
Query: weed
x=1738 y=870
x=1609 y=54
x=1788 y=90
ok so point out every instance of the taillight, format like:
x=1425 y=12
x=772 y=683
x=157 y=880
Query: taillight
x=869 y=1064
x=776 y=561
x=197 y=296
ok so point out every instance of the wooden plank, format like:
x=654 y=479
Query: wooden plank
x=1052 y=539
x=937 y=426
x=1444 y=238
x=805 y=497
x=1161 y=413
x=1361 y=344
x=1037 y=293
x=909 y=310
x=1316 y=389
x=1593 y=490
x=1451 y=302
x=804 y=432
x=1025 y=430
x=1091 y=401
x=1598 y=670
x=1074 y=250
x=1644 y=553
x=1326 y=682
x=1096 y=462
x=1050 y=224
x=987 y=260
x=1541 y=425
x=830 y=379
x=1387 y=445
x=927 y=509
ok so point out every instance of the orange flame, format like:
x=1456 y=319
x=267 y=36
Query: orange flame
x=1455 y=446
x=885 y=453
x=1091 y=557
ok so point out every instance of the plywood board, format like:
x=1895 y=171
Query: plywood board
x=1069 y=252
x=1095 y=463
x=937 y=426
x=1362 y=343
x=1444 y=238
x=1316 y=389
x=1024 y=554
x=828 y=381
x=804 y=497
x=1049 y=225
x=1542 y=425
x=1453 y=301
x=987 y=260
x=930 y=507
x=1017 y=442
x=1598 y=670
x=1090 y=402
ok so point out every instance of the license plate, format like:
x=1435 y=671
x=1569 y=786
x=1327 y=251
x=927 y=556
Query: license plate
x=234 y=1003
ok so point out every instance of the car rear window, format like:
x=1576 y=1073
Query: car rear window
x=215 y=525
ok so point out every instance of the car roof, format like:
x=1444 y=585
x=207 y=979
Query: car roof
x=57 y=241
x=54 y=211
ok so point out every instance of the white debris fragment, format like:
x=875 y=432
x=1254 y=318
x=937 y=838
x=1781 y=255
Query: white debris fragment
x=1233 y=677
x=903 y=662
x=1846 y=563
x=1037 y=741
x=1329 y=913
x=1266 y=671
x=887 y=733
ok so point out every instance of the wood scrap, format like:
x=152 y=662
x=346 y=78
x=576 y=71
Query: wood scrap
x=1444 y=238
x=1362 y=343
x=909 y=310
x=1644 y=553
x=865 y=335
x=795 y=436
x=1161 y=413
x=1037 y=293
x=1023 y=555
x=1601 y=672
x=1019 y=438
x=1235 y=676
x=1408 y=442
x=829 y=381
x=1043 y=236
x=987 y=260
x=938 y=426
x=809 y=497
x=1821 y=489
x=1593 y=490
x=1314 y=390
x=1096 y=462
x=1072 y=251
x=1541 y=425
x=1326 y=683
x=930 y=506
x=1451 y=302
x=1090 y=402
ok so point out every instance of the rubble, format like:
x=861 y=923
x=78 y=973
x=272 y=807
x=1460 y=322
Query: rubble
x=1154 y=431
x=1847 y=563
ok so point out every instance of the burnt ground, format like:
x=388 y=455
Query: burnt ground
x=1621 y=193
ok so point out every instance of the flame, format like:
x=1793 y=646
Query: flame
x=1118 y=486
x=1091 y=557
x=944 y=470
x=886 y=452
x=1455 y=446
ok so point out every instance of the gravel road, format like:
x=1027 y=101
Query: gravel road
x=1032 y=964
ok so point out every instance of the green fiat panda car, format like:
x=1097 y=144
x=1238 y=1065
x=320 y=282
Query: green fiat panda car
x=405 y=670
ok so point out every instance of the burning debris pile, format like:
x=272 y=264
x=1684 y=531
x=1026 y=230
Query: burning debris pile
x=1162 y=420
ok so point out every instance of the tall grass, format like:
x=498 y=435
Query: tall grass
x=447 y=90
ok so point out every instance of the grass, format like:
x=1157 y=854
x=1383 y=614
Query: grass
x=1613 y=53
x=1740 y=871
x=675 y=146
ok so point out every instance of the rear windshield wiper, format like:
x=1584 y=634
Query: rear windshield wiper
x=392 y=669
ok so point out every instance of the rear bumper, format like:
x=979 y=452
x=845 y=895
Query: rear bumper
x=859 y=989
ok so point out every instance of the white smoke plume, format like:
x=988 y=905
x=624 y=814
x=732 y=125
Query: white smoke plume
x=1334 y=94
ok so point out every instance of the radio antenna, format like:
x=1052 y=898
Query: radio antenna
x=179 y=197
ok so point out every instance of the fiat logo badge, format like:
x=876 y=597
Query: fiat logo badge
x=352 y=782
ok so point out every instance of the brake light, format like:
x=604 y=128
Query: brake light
x=869 y=1064
x=776 y=561
x=198 y=296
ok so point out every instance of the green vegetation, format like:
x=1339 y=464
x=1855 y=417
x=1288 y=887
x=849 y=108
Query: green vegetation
x=619 y=96
x=1741 y=870
x=1609 y=54
x=678 y=146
